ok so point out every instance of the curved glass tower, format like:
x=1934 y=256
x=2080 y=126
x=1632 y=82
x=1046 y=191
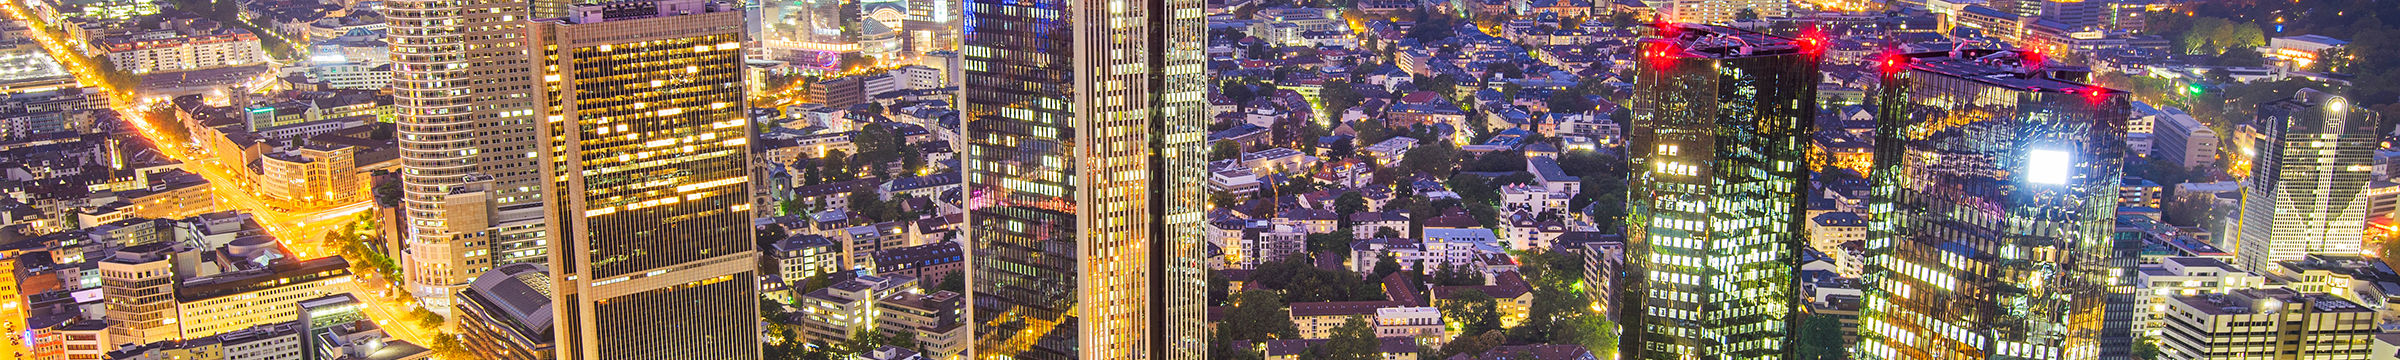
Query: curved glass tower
x=1721 y=121
x=1994 y=202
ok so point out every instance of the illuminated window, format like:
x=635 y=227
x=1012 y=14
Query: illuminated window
x=2049 y=166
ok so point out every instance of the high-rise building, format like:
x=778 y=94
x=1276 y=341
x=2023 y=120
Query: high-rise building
x=462 y=94
x=1718 y=11
x=646 y=152
x=2307 y=192
x=1085 y=173
x=1718 y=139
x=1995 y=195
x=2178 y=138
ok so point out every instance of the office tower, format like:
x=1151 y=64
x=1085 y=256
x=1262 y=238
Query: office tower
x=1717 y=11
x=139 y=282
x=1994 y=200
x=2307 y=192
x=2077 y=14
x=464 y=116
x=2178 y=138
x=2268 y=323
x=1085 y=122
x=647 y=134
x=1719 y=134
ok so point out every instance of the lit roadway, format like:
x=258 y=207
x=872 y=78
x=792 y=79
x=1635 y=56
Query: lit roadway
x=299 y=229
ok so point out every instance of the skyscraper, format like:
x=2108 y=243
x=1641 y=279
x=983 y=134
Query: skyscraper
x=2307 y=192
x=459 y=86
x=646 y=153
x=1721 y=120
x=1718 y=11
x=1085 y=125
x=1994 y=202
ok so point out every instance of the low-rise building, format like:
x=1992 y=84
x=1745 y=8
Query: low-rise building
x=235 y=300
x=194 y=50
x=2278 y=323
x=505 y=314
x=836 y=312
x=2183 y=276
x=928 y=263
x=1422 y=324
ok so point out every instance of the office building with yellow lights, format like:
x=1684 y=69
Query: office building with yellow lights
x=1718 y=145
x=1995 y=196
x=646 y=156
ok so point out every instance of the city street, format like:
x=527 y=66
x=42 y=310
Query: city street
x=300 y=230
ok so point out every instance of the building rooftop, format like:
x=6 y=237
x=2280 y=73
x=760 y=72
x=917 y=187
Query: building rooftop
x=2267 y=301
x=520 y=291
x=2015 y=70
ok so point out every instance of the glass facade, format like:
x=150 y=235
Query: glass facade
x=2308 y=182
x=647 y=157
x=1721 y=121
x=1084 y=165
x=1994 y=201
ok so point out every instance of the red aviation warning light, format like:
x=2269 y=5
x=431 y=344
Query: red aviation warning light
x=2031 y=59
x=1811 y=41
x=2094 y=94
x=1892 y=63
x=1661 y=53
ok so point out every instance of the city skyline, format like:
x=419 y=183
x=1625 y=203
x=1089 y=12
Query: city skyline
x=1198 y=179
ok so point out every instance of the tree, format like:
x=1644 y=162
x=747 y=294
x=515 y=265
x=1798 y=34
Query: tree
x=771 y=310
x=954 y=281
x=1258 y=316
x=1498 y=161
x=2188 y=210
x=425 y=318
x=1302 y=281
x=1224 y=150
x=1434 y=156
x=792 y=207
x=387 y=192
x=1820 y=338
x=912 y=160
x=1370 y=131
x=1473 y=342
x=1572 y=102
x=1338 y=96
x=2145 y=348
x=1336 y=242
x=1386 y=266
x=1747 y=14
x=1349 y=203
x=447 y=346
x=2241 y=56
x=837 y=166
x=1353 y=340
x=1475 y=311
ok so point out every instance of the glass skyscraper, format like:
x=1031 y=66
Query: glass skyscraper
x=1721 y=120
x=1994 y=202
x=2307 y=192
x=1085 y=130
x=646 y=155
